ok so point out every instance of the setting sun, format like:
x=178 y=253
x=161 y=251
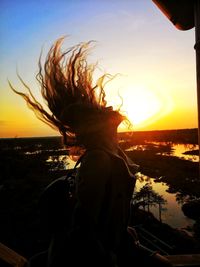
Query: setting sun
x=152 y=62
x=143 y=106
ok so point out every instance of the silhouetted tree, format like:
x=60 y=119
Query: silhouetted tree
x=147 y=197
x=160 y=201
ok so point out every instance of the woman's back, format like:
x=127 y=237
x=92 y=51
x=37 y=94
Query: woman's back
x=105 y=187
x=104 y=190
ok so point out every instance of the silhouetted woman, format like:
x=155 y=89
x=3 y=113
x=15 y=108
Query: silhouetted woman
x=105 y=182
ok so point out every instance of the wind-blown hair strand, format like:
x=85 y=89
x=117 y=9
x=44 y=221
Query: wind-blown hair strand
x=65 y=79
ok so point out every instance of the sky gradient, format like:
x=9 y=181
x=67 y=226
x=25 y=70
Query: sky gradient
x=156 y=61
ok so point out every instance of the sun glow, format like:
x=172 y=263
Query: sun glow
x=143 y=106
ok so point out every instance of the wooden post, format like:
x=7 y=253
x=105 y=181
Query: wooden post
x=197 y=48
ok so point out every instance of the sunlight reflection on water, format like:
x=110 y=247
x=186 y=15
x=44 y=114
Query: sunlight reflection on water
x=171 y=212
x=176 y=150
x=67 y=162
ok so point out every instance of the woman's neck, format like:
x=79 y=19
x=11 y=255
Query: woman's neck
x=103 y=141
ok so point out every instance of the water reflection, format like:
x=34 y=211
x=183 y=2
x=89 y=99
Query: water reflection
x=66 y=162
x=33 y=152
x=183 y=151
x=43 y=151
x=171 y=211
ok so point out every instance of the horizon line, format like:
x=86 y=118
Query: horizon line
x=121 y=132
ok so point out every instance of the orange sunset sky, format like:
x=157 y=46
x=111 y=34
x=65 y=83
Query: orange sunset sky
x=156 y=61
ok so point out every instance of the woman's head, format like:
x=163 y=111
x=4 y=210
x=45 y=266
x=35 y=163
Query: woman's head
x=77 y=105
x=85 y=118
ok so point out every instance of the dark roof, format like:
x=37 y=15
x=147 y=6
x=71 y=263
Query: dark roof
x=179 y=12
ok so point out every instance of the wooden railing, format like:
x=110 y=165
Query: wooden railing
x=186 y=260
x=10 y=257
x=189 y=260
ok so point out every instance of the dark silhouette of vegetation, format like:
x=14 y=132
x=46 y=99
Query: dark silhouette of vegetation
x=178 y=239
x=160 y=201
x=23 y=177
x=25 y=172
x=147 y=197
x=185 y=136
x=180 y=175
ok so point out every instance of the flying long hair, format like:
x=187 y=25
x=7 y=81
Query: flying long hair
x=66 y=80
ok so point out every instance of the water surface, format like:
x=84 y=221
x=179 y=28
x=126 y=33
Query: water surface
x=170 y=149
x=171 y=211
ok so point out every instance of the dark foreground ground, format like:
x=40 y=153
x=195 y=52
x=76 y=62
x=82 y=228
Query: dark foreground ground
x=25 y=175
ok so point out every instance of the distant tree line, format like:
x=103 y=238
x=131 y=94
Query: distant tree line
x=185 y=136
